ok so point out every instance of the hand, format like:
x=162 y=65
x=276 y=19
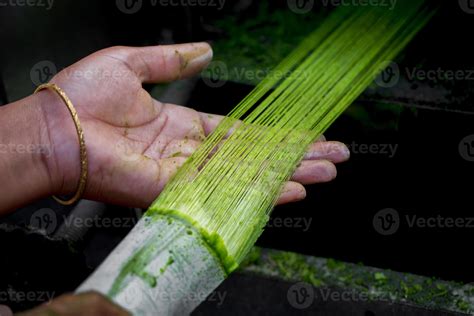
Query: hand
x=92 y=303
x=135 y=143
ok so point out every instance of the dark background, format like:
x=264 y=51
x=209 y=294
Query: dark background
x=427 y=121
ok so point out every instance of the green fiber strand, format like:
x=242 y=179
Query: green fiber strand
x=228 y=187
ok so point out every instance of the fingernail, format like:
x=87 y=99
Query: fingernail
x=339 y=149
x=301 y=195
x=194 y=55
x=331 y=171
x=346 y=152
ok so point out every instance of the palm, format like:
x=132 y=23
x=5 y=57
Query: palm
x=136 y=143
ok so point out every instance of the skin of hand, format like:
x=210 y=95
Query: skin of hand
x=90 y=303
x=134 y=143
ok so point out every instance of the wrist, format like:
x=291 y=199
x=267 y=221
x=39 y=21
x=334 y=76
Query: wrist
x=24 y=150
x=63 y=163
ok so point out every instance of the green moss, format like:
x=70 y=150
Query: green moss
x=136 y=265
x=410 y=290
x=377 y=284
x=380 y=278
x=463 y=305
x=147 y=277
x=213 y=241
x=252 y=47
x=440 y=290
x=252 y=258
x=335 y=265
x=293 y=265
x=167 y=264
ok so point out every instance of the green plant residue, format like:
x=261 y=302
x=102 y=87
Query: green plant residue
x=375 y=283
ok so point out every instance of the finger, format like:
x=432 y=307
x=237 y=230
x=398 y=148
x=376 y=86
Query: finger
x=94 y=303
x=90 y=303
x=314 y=171
x=292 y=192
x=210 y=121
x=164 y=63
x=333 y=151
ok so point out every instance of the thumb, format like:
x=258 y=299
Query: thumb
x=164 y=63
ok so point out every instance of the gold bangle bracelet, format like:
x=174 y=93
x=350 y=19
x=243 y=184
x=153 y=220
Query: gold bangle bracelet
x=80 y=134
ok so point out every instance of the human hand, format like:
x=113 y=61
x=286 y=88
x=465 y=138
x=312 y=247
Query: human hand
x=135 y=143
x=91 y=303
